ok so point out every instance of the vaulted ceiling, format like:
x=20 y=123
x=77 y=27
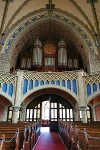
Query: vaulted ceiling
x=87 y=11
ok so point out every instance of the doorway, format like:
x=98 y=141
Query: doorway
x=50 y=109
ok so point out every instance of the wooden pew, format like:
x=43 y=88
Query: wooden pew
x=2 y=142
x=92 y=139
x=25 y=140
x=74 y=137
x=13 y=137
x=12 y=140
x=87 y=141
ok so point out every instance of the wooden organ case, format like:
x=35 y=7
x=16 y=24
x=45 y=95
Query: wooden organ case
x=49 y=60
x=49 y=57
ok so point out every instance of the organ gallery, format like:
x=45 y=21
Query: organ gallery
x=49 y=56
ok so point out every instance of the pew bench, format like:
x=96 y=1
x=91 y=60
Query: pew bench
x=75 y=139
x=2 y=142
x=26 y=137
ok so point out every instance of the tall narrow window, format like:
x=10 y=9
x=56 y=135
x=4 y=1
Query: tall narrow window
x=33 y=114
x=65 y=114
x=89 y=117
x=10 y=112
x=47 y=110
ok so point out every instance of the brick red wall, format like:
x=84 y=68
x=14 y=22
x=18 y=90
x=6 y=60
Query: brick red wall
x=1 y=112
x=98 y=112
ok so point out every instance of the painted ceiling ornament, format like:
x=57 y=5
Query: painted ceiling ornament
x=94 y=1
x=8 y=0
x=50 y=7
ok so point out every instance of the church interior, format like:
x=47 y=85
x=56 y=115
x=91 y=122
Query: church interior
x=50 y=71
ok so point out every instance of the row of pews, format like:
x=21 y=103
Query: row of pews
x=80 y=136
x=20 y=136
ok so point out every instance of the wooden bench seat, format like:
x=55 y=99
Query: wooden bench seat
x=2 y=142
x=75 y=138
x=10 y=142
x=27 y=136
x=87 y=138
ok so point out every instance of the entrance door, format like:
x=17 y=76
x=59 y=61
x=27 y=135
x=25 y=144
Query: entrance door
x=53 y=109
x=53 y=116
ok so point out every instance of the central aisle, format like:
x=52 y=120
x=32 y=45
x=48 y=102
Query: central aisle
x=49 y=141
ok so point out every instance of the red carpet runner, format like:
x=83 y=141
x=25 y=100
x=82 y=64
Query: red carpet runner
x=49 y=141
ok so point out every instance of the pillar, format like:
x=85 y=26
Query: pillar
x=81 y=91
x=15 y=114
x=76 y=113
x=22 y=112
x=84 y=114
x=19 y=81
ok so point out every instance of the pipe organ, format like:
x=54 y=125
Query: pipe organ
x=49 y=57
x=37 y=53
x=62 y=54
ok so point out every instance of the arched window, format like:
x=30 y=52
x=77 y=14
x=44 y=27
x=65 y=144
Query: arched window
x=33 y=114
x=89 y=116
x=10 y=113
x=47 y=110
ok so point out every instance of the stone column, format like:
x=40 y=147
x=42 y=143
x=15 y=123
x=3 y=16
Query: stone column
x=19 y=82
x=84 y=114
x=15 y=114
x=76 y=113
x=81 y=92
x=22 y=112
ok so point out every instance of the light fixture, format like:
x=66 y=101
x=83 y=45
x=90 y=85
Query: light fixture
x=50 y=7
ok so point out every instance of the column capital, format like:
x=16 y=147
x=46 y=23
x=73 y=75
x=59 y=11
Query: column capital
x=15 y=114
x=16 y=108
x=84 y=113
x=82 y=108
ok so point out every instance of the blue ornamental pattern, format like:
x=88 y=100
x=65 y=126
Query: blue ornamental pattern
x=44 y=15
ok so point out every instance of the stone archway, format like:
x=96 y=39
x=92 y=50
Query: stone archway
x=43 y=94
x=82 y=40
x=58 y=109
